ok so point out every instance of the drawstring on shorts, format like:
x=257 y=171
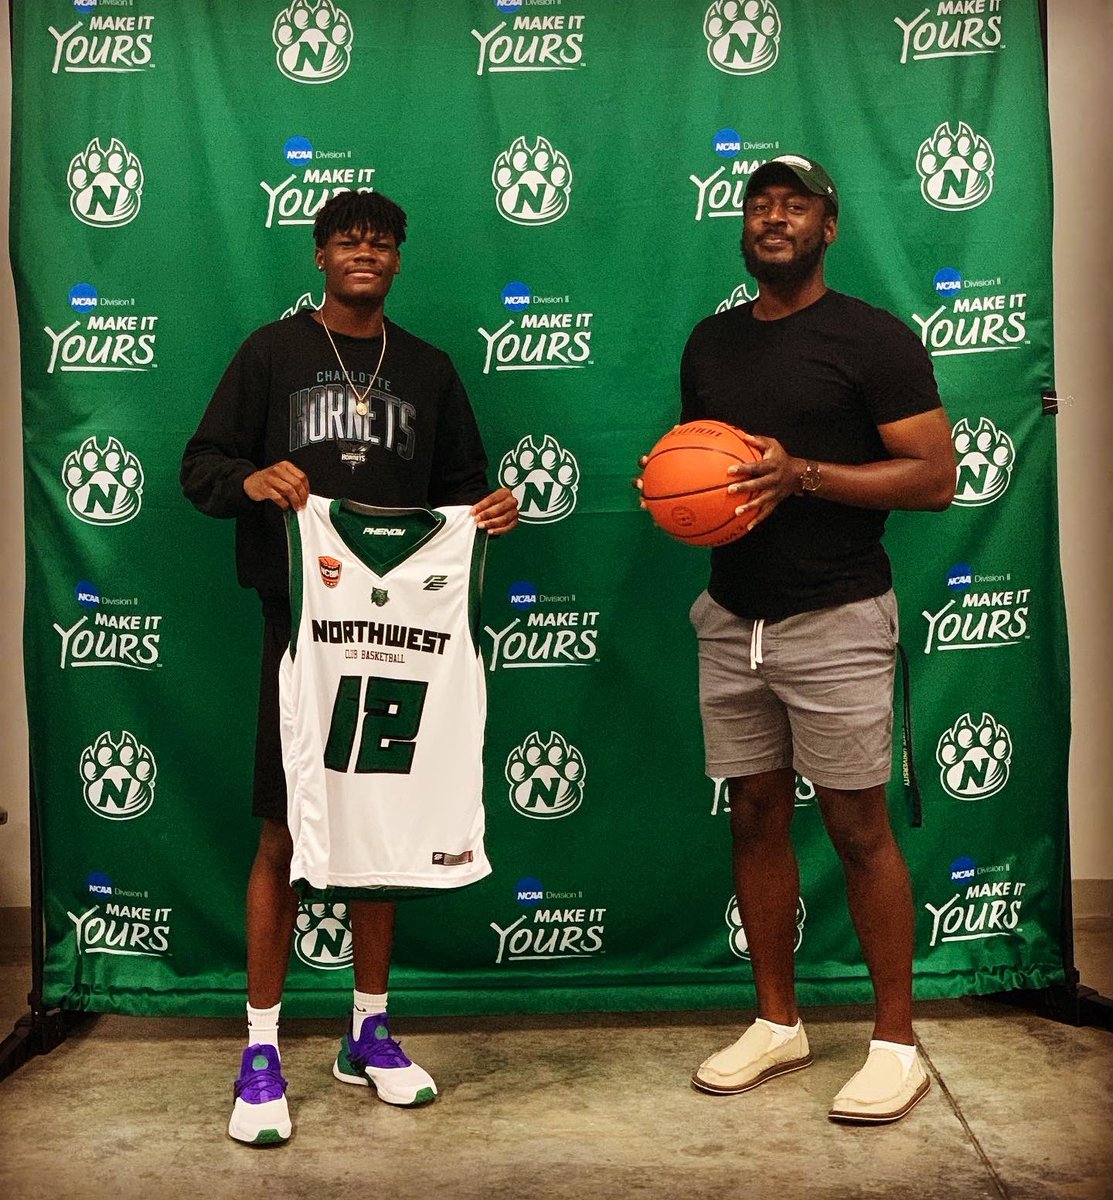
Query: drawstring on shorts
x=755 y=644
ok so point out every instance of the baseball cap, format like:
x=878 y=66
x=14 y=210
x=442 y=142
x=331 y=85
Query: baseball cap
x=806 y=170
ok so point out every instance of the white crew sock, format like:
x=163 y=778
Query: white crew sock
x=262 y=1026
x=363 y=1005
x=906 y=1054
x=781 y=1033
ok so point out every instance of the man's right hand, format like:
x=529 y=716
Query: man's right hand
x=283 y=483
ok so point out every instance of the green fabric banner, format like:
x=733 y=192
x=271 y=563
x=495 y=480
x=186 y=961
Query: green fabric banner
x=573 y=173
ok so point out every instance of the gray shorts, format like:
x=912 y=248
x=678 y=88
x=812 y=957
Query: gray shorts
x=813 y=692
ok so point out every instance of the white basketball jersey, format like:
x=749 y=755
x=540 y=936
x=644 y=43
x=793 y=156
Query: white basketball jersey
x=383 y=700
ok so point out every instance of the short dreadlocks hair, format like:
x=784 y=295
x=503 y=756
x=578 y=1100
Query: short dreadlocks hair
x=361 y=211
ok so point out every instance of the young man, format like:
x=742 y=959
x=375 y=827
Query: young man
x=342 y=403
x=798 y=627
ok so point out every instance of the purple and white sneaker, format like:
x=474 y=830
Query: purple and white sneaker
x=376 y=1058
x=259 y=1115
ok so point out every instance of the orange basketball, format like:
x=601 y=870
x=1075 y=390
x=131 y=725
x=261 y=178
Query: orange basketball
x=685 y=482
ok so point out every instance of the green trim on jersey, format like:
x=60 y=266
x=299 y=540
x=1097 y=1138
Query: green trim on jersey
x=293 y=545
x=475 y=583
x=343 y=895
x=351 y=521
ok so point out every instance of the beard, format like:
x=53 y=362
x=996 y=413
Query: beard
x=796 y=270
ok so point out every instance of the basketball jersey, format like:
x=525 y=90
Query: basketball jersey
x=382 y=700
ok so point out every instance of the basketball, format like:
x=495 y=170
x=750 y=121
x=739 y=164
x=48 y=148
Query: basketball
x=684 y=484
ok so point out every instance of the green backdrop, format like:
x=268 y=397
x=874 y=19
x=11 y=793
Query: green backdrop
x=573 y=174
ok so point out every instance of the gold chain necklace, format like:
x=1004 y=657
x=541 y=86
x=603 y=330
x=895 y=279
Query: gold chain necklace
x=361 y=401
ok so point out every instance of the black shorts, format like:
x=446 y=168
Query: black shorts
x=269 y=789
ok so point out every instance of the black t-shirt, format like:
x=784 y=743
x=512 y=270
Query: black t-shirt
x=819 y=381
x=283 y=396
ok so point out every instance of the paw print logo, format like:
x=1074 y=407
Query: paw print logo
x=743 y=36
x=956 y=168
x=104 y=486
x=544 y=479
x=974 y=759
x=314 y=41
x=986 y=456
x=740 y=295
x=737 y=939
x=106 y=184
x=532 y=183
x=118 y=777
x=546 y=778
x=323 y=936
x=305 y=300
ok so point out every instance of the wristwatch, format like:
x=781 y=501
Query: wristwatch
x=809 y=479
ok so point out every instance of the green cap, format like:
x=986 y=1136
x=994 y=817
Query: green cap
x=806 y=170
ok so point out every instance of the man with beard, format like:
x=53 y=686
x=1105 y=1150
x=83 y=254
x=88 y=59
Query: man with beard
x=798 y=627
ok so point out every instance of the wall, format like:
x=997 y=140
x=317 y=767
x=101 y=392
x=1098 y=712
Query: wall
x=1081 y=44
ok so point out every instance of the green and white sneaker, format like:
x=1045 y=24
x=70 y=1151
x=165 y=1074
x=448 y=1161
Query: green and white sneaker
x=375 y=1059
x=260 y=1116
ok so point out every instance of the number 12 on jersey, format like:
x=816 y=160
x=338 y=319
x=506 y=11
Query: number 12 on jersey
x=391 y=714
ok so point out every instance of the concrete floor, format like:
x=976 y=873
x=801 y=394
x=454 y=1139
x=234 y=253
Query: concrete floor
x=587 y=1107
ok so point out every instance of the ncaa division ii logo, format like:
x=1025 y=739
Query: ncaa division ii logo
x=546 y=778
x=532 y=183
x=103 y=486
x=956 y=168
x=106 y=184
x=743 y=36
x=543 y=478
x=313 y=40
x=118 y=777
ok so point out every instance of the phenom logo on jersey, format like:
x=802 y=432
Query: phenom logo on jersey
x=383 y=531
x=330 y=570
x=974 y=757
x=532 y=44
x=956 y=30
x=297 y=199
x=313 y=41
x=956 y=168
x=720 y=794
x=112 y=640
x=545 y=639
x=118 y=777
x=741 y=295
x=104 y=485
x=544 y=478
x=977 y=911
x=532 y=183
x=108 y=45
x=743 y=36
x=323 y=936
x=983 y=619
x=986 y=457
x=736 y=938
x=546 y=778
x=560 y=926
x=106 y=184
x=134 y=930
